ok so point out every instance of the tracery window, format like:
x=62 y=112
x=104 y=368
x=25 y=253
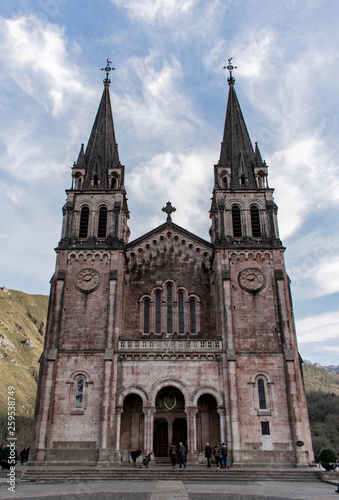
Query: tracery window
x=84 y=218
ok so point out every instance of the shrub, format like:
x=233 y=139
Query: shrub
x=328 y=459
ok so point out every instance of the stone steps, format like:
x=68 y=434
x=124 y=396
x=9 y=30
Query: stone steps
x=161 y=473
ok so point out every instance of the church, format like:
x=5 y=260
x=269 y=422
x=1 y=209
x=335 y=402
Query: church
x=170 y=337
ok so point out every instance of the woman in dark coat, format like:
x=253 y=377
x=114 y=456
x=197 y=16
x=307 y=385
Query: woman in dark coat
x=173 y=454
x=208 y=454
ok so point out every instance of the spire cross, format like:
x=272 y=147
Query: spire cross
x=107 y=68
x=230 y=68
x=169 y=210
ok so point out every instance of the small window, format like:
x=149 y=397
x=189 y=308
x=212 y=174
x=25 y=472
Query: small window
x=102 y=223
x=95 y=181
x=192 y=316
x=255 y=221
x=146 y=316
x=169 y=309
x=79 y=392
x=158 y=312
x=181 y=313
x=113 y=182
x=243 y=180
x=261 y=393
x=84 y=217
x=265 y=428
x=224 y=182
x=236 y=221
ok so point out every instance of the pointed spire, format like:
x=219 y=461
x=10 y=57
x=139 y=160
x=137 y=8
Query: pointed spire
x=236 y=147
x=102 y=149
x=258 y=158
x=81 y=158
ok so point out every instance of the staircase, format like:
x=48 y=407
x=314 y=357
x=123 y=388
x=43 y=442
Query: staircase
x=156 y=472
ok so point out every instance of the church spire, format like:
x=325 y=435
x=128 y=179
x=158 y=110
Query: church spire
x=101 y=154
x=236 y=148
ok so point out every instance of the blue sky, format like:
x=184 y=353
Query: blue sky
x=169 y=95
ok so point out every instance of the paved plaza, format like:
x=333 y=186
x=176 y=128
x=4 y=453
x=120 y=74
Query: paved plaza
x=171 y=490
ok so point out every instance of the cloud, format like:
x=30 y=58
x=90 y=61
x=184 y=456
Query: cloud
x=185 y=179
x=320 y=329
x=34 y=53
x=156 y=10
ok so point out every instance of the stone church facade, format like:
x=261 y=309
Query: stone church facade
x=170 y=337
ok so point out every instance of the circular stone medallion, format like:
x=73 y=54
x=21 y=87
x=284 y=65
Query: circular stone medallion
x=252 y=280
x=87 y=280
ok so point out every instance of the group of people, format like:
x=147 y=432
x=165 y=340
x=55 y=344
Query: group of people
x=220 y=455
x=175 y=453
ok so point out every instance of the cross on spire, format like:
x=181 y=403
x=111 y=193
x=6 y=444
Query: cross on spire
x=230 y=68
x=107 y=68
x=169 y=210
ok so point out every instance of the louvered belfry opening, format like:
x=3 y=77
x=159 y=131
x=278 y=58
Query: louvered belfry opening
x=83 y=227
x=255 y=220
x=102 y=223
x=236 y=220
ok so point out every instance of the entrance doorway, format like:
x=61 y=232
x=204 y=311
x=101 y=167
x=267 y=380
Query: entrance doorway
x=179 y=431
x=160 y=437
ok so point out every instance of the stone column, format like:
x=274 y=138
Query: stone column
x=118 y=412
x=148 y=429
x=222 y=420
x=191 y=413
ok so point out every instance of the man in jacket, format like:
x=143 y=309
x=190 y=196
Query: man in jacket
x=208 y=454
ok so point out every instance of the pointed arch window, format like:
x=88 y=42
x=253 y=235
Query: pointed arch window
x=262 y=394
x=181 y=312
x=255 y=221
x=84 y=218
x=158 y=312
x=236 y=221
x=146 y=315
x=102 y=223
x=79 y=392
x=193 y=323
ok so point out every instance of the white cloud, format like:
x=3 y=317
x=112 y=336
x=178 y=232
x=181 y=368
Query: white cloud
x=320 y=328
x=156 y=10
x=34 y=53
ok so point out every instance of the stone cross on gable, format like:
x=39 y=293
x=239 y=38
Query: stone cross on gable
x=169 y=210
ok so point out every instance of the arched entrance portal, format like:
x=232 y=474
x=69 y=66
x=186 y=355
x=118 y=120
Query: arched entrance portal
x=170 y=424
x=208 y=422
x=132 y=426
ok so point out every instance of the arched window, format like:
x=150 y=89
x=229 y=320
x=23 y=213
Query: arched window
x=83 y=227
x=236 y=220
x=79 y=393
x=79 y=183
x=193 y=316
x=113 y=182
x=255 y=221
x=169 y=308
x=262 y=394
x=243 y=180
x=95 y=181
x=102 y=223
x=181 y=313
x=224 y=182
x=157 y=312
x=146 y=316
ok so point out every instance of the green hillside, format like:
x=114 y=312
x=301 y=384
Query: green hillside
x=22 y=327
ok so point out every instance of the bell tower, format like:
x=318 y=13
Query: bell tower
x=255 y=308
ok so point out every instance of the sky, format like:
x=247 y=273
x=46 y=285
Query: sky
x=169 y=92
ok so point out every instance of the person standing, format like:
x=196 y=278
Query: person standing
x=173 y=454
x=217 y=456
x=224 y=462
x=182 y=454
x=208 y=454
x=22 y=455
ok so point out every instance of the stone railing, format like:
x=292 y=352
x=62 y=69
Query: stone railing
x=169 y=346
